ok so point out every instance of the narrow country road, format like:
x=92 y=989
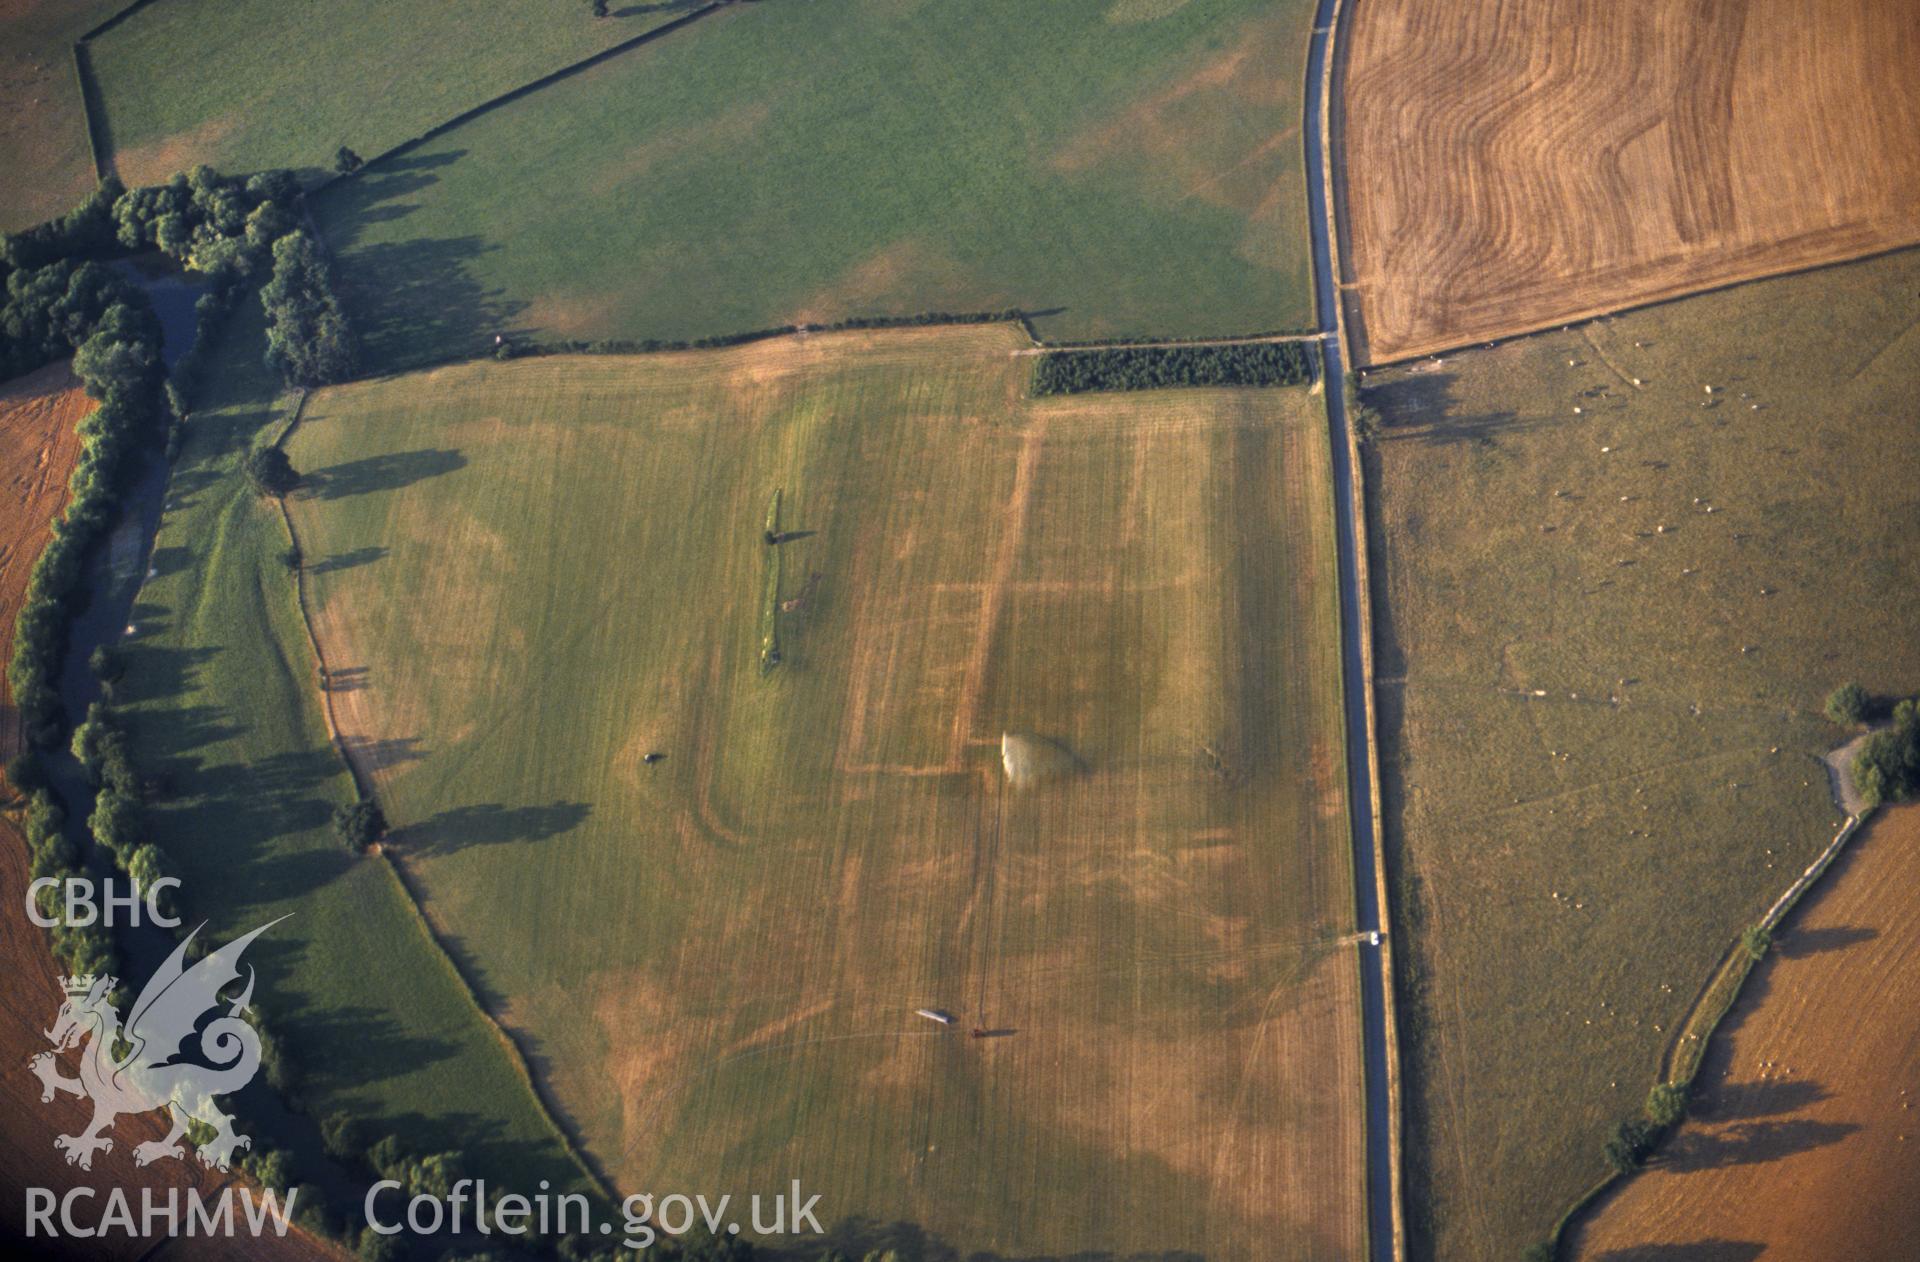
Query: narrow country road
x=1381 y=1188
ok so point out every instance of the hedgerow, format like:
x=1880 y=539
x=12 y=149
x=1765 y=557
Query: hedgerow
x=1161 y=367
x=624 y=346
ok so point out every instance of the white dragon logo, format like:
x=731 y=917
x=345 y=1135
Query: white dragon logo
x=148 y=1074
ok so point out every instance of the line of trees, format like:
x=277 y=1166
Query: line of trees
x=1634 y=1138
x=118 y=821
x=56 y=307
x=1160 y=367
x=61 y=299
x=117 y=357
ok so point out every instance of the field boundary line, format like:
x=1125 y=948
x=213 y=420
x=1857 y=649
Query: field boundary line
x=93 y=111
x=1735 y=957
x=1149 y=344
x=363 y=786
x=527 y=89
x=515 y=1053
x=1645 y=302
x=112 y=20
x=91 y=116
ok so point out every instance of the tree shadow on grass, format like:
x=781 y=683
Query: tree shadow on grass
x=347 y=207
x=348 y=560
x=344 y=679
x=164 y=671
x=368 y=753
x=670 y=6
x=1693 y=1251
x=489 y=825
x=389 y=472
x=225 y=818
x=1422 y=407
x=413 y=301
x=171 y=560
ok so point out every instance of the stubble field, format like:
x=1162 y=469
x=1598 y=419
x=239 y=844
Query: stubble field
x=527 y=577
x=1612 y=606
x=1513 y=168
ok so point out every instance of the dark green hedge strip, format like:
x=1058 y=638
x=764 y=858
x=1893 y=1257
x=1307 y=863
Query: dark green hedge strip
x=1162 y=367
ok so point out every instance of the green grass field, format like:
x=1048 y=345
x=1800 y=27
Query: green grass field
x=1130 y=168
x=250 y=84
x=529 y=576
x=44 y=158
x=221 y=700
x=1601 y=677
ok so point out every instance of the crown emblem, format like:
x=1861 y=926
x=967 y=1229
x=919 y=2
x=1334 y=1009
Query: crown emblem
x=79 y=986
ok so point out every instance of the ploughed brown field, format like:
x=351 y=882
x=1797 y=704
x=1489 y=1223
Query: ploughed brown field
x=40 y=415
x=1807 y=1125
x=1509 y=167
